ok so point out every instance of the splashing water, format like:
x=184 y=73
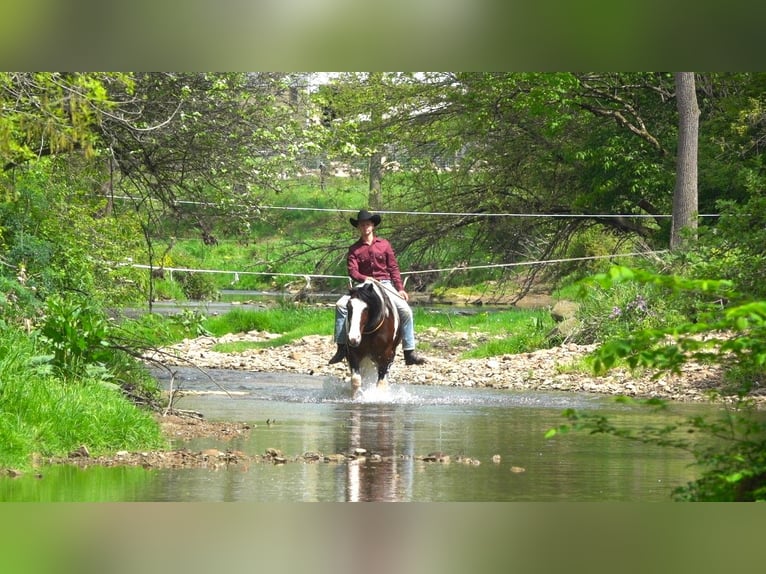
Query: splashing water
x=393 y=394
x=338 y=390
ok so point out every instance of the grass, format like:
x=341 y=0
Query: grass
x=278 y=241
x=512 y=331
x=291 y=324
x=505 y=332
x=42 y=414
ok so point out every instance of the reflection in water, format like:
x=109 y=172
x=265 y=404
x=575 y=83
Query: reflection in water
x=383 y=471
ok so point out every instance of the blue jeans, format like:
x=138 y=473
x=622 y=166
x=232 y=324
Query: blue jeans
x=405 y=316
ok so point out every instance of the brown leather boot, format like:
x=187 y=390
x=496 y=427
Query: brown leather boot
x=410 y=358
x=340 y=354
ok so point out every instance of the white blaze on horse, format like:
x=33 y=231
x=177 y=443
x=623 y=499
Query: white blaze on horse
x=373 y=331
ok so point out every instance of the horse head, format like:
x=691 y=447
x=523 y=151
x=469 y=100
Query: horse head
x=365 y=311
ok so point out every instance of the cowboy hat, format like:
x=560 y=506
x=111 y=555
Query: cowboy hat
x=365 y=215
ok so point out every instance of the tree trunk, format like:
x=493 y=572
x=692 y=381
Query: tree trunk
x=376 y=177
x=685 y=192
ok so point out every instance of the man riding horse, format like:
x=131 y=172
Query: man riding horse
x=373 y=256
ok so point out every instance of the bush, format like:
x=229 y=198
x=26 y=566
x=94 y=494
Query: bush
x=731 y=448
x=619 y=308
x=76 y=332
x=197 y=286
x=733 y=249
x=18 y=302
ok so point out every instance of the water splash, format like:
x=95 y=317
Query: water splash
x=391 y=394
x=337 y=390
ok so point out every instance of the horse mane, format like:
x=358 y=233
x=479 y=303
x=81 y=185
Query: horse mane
x=374 y=299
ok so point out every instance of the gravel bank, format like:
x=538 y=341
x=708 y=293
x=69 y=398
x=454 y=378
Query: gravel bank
x=548 y=369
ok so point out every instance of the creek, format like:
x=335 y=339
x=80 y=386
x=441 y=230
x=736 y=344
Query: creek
x=491 y=443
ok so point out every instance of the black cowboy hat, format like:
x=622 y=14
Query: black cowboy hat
x=365 y=215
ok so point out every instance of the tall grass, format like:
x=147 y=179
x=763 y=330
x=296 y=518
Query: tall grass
x=42 y=414
x=284 y=241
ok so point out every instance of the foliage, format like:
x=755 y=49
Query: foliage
x=84 y=342
x=730 y=450
x=168 y=290
x=613 y=309
x=58 y=233
x=289 y=321
x=42 y=414
x=528 y=336
x=733 y=248
x=499 y=333
x=104 y=169
x=197 y=286
x=45 y=113
x=19 y=304
x=76 y=331
x=151 y=330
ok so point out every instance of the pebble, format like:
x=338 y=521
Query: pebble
x=541 y=370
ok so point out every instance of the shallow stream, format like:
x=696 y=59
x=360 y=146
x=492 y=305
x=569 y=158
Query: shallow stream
x=491 y=443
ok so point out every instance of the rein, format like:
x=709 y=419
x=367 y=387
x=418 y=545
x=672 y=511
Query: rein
x=378 y=326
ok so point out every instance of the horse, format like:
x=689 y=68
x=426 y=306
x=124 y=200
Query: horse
x=373 y=331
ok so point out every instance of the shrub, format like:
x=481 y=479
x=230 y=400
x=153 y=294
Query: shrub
x=731 y=448
x=617 y=309
x=76 y=332
x=197 y=286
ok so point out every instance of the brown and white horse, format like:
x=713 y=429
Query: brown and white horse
x=373 y=331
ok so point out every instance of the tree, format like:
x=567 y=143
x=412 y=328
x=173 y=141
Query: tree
x=685 y=191
x=196 y=149
x=368 y=115
x=46 y=113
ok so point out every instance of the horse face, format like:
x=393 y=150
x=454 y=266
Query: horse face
x=357 y=319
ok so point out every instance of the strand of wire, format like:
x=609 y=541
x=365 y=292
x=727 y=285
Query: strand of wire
x=404 y=273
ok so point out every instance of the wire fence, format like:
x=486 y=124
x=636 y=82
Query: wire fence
x=309 y=276
x=457 y=268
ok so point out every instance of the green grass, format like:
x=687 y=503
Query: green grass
x=40 y=413
x=512 y=331
x=278 y=241
x=505 y=332
x=291 y=320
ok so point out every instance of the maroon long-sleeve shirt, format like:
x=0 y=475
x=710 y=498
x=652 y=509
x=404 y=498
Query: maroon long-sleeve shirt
x=376 y=260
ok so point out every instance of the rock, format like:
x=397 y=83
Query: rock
x=564 y=310
x=545 y=369
x=211 y=453
x=80 y=452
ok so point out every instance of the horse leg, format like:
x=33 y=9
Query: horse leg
x=356 y=374
x=383 y=366
x=356 y=383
